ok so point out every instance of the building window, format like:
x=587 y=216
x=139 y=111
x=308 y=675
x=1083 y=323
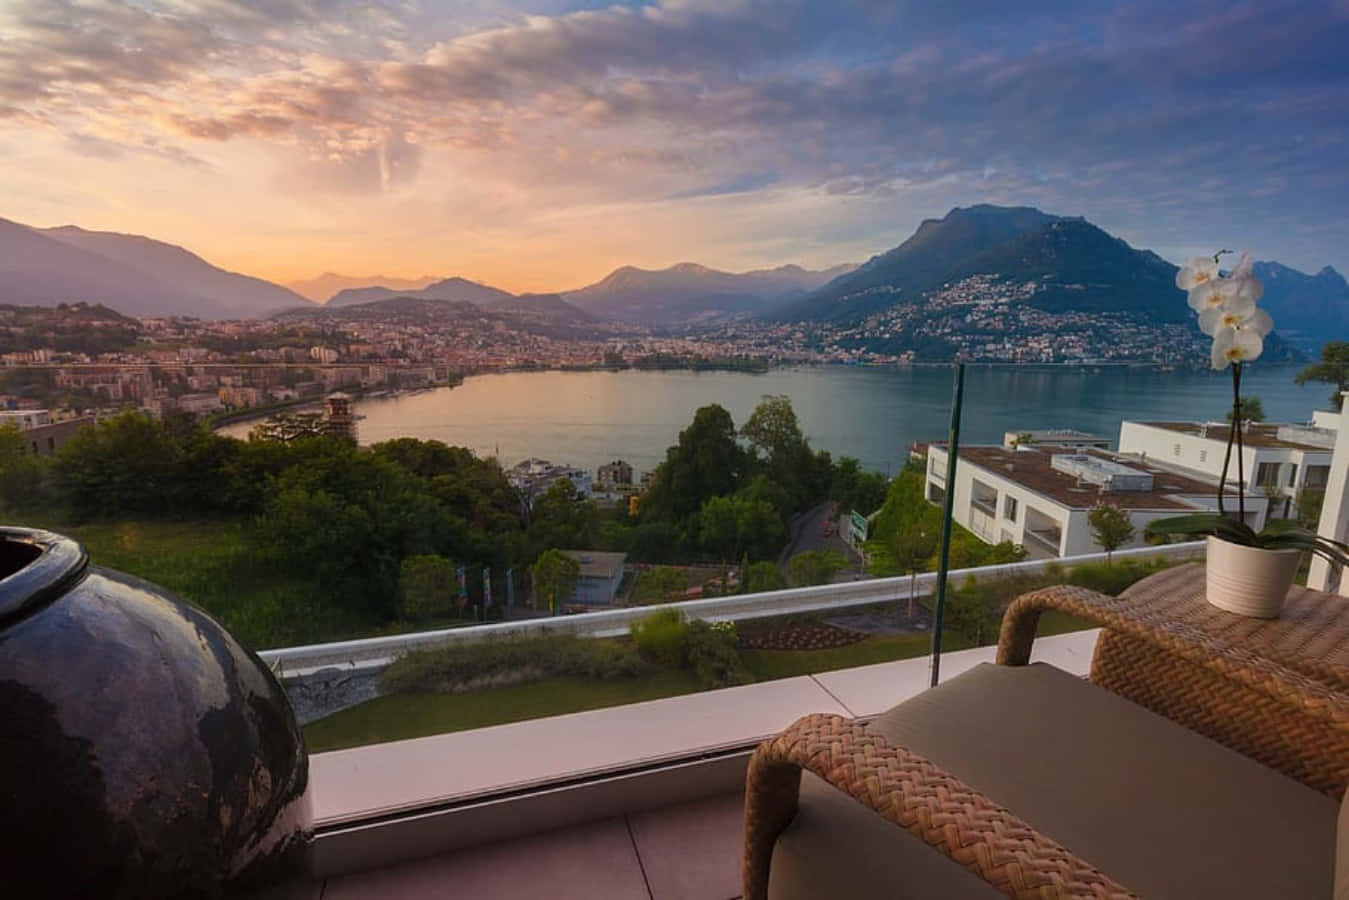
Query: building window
x=1175 y=449
x=51 y=445
x=1009 y=508
x=1267 y=475
x=1292 y=474
x=1203 y=456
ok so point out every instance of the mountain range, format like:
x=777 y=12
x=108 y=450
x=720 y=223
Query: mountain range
x=321 y=288
x=129 y=273
x=1059 y=264
x=1071 y=264
x=1307 y=309
x=688 y=292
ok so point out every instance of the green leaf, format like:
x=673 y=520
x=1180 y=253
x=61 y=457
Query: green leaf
x=1204 y=523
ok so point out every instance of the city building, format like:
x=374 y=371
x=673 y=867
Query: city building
x=25 y=418
x=601 y=574
x=338 y=419
x=1278 y=460
x=1062 y=437
x=533 y=477
x=612 y=476
x=1039 y=496
x=45 y=440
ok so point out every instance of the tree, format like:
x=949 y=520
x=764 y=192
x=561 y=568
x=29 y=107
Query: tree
x=1309 y=503
x=555 y=575
x=1111 y=527
x=968 y=611
x=773 y=431
x=563 y=517
x=814 y=567
x=707 y=462
x=740 y=524
x=761 y=576
x=1252 y=410
x=1332 y=369
x=856 y=488
x=428 y=585
x=911 y=551
x=22 y=474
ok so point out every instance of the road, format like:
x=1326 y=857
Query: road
x=807 y=533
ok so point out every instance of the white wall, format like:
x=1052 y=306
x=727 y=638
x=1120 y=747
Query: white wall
x=1335 y=510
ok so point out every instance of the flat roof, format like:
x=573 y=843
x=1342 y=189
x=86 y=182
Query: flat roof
x=595 y=564
x=1259 y=434
x=1031 y=468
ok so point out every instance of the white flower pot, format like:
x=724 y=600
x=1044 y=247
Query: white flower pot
x=1249 y=581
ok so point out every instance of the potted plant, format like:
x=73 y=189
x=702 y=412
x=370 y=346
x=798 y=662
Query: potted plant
x=1248 y=572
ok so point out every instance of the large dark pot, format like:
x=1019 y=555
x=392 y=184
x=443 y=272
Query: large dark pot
x=143 y=751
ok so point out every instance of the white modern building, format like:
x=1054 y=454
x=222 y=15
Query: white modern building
x=1039 y=496
x=1278 y=460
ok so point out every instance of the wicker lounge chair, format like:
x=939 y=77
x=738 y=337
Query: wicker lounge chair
x=1022 y=780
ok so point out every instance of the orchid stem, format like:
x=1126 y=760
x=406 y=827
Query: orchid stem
x=1236 y=426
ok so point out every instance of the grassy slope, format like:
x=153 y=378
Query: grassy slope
x=210 y=563
x=401 y=716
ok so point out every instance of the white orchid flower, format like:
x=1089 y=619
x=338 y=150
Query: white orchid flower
x=1200 y=270
x=1213 y=293
x=1236 y=345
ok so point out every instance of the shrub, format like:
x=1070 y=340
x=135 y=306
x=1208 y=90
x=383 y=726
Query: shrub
x=458 y=666
x=428 y=587
x=713 y=657
x=1113 y=578
x=662 y=636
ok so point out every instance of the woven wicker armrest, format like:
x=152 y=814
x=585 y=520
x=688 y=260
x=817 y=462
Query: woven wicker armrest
x=914 y=794
x=1235 y=663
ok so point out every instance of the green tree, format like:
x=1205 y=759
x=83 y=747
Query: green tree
x=775 y=437
x=428 y=587
x=555 y=575
x=761 y=576
x=1111 y=527
x=124 y=465
x=814 y=567
x=707 y=462
x=1309 y=503
x=736 y=525
x=912 y=551
x=856 y=488
x=1332 y=369
x=23 y=475
x=1252 y=410
x=970 y=612
x=563 y=517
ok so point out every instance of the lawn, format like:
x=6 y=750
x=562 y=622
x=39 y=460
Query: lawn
x=400 y=716
x=767 y=665
x=210 y=563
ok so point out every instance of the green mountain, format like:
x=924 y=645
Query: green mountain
x=941 y=250
x=1061 y=264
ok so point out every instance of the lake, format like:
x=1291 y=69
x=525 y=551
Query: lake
x=589 y=418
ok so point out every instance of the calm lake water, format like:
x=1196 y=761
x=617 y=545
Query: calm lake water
x=590 y=418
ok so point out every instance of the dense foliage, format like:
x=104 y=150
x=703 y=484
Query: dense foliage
x=906 y=511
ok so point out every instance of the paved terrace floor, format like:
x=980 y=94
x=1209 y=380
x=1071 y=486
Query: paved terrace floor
x=689 y=851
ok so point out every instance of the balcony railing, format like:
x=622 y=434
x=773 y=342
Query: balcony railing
x=380 y=651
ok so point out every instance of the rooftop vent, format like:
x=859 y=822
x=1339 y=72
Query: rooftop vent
x=1105 y=474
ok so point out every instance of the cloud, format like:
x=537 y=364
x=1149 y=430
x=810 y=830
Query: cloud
x=1203 y=110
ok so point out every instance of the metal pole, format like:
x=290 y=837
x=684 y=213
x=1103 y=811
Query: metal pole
x=943 y=564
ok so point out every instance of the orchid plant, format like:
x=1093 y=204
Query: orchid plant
x=1228 y=313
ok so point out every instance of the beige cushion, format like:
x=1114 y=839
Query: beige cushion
x=1164 y=811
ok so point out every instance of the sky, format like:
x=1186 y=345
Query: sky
x=538 y=144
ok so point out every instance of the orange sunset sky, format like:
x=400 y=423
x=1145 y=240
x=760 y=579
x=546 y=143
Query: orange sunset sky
x=538 y=145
